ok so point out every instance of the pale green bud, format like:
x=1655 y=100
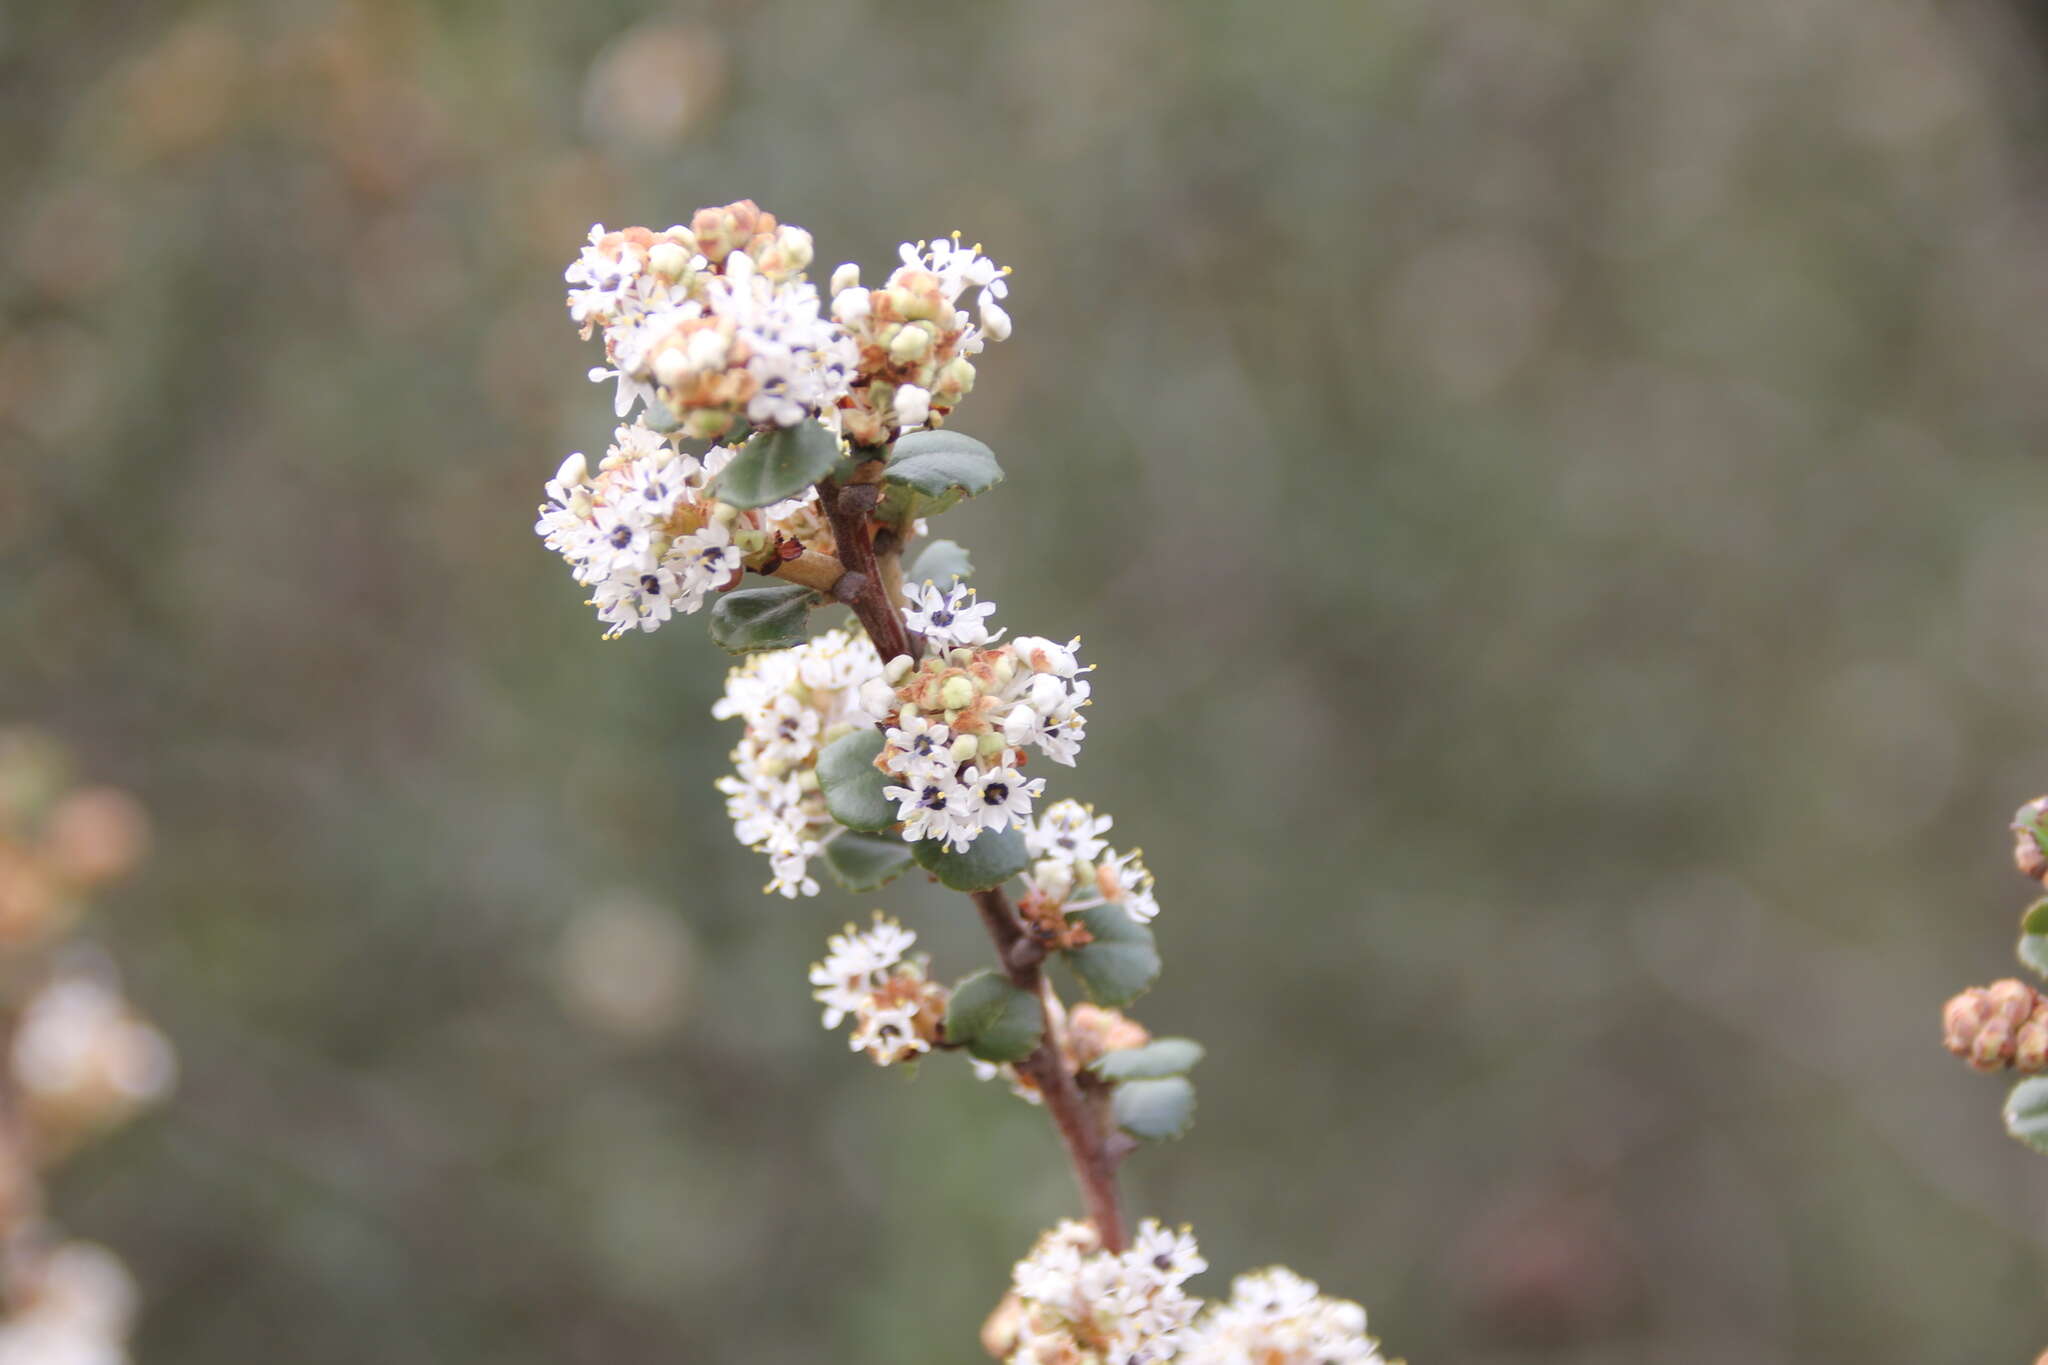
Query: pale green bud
x=956 y=693
x=964 y=748
x=912 y=343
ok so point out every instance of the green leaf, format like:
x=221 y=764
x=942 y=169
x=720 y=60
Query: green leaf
x=929 y=471
x=997 y=1021
x=993 y=858
x=1154 y=1109
x=747 y=620
x=1159 y=1058
x=866 y=862
x=938 y=562
x=1123 y=961
x=2035 y=921
x=2034 y=952
x=2026 y=1113
x=778 y=463
x=853 y=784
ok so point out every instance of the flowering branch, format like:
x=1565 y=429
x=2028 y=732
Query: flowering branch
x=907 y=743
x=1079 y=1126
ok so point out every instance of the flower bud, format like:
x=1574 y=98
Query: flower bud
x=911 y=343
x=896 y=669
x=573 y=471
x=2030 y=1045
x=1992 y=1048
x=956 y=693
x=913 y=405
x=963 y=748
x=991 y=744
x=671 y=367
x=669 y=260
x=994 y=321
x=877 y=698
x=1019 y=724
x=844 y=278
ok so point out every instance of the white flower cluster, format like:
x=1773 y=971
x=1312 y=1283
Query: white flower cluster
x=1080 y=1305
x=912 y=337
x=73 y=1308
x=1074 y=1304
x=715 y=321
x=964 y=716
x=1275 y=1317
x=83 y=1059
x=793 y=702
x=643 y=532
x=1073 y=869
x=896 y=1008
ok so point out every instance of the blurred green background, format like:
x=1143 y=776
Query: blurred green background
x=1549 y=489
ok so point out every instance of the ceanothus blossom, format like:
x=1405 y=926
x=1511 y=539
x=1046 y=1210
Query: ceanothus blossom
x=793 y=702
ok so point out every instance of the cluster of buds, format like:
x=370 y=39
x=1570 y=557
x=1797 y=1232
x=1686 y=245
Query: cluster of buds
x=963 y=717
x=2000 y=1027
x=647 y=536
x=78 y=1058
x=913 y=338
x=793 y=702
x=1073 y=1304
x=898 y=1011
x=714 y=321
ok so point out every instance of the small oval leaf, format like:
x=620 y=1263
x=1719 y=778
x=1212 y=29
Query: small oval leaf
x=2026 y=1112
x=2035 y=921
x=1123 y=961
x=2034 y=952
x=940 y=562
x=993 y=858
x=748 y=620
x=853 y=784
x=994 y=1019
x=1158 y=1058
x=937 y=469
x=866 y=862
x=1155 y=1110
x=778 y=463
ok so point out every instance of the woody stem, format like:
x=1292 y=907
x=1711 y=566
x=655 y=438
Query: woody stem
x=1088 y=1147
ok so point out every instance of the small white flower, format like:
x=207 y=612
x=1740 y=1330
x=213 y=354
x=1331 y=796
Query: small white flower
x=994 y=321
x=933 y=807
x=1133 y=886
x=1002 y=795
x=917 y=743
x=948 y=617
x=1068 y=830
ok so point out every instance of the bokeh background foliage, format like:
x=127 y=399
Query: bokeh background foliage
x=1551 y=490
